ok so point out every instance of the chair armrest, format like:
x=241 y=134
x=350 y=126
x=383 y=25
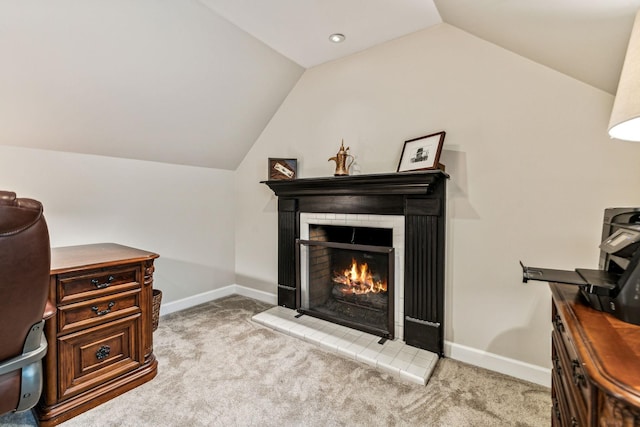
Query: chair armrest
x=24 y=359
x=49 y=310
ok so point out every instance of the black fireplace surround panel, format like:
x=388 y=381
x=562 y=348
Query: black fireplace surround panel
x=419 y=196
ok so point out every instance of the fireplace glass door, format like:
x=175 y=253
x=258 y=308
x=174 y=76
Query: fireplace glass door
x=347 y=283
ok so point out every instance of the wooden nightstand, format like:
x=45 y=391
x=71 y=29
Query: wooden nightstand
x=596 y=364
x=100 y=341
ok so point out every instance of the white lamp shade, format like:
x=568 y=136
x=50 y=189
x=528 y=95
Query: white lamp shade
x=625 y=115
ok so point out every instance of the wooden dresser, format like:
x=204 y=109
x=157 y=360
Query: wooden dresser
x=596 y=364
x=100 y=340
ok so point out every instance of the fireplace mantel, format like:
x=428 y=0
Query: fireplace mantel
x=416 y=183
x=418 y=196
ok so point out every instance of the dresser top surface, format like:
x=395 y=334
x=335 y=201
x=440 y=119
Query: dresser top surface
x=95 y=255
x=609 y=347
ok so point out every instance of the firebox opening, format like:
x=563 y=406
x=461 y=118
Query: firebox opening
x=354 y=235
x=348 y=277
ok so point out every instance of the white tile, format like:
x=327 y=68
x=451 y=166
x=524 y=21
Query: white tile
x=424 y=357
x=417 y=370
x=329 y=343
x=356 y=347
x=413 y=378
x=369 y=359
x=260 y=317
x=375 y=346
x=434 y=361
x=353 y=335
x=384 y=359
x=398 y=332
x=389 y=369
x=400 y=363
x=404 y=356
x=365 y=340
x=395 y=357
x=279 y=321
x=410 y=350
x=327 y=326
x=346 y=352
x=286 y=324
x=276 y=322
x=344 y=342
x=315 y=336
x=307 y=321
x=370 y=352
x=299 y=331
x=283 y=314
x=390 y=348
x=340 y=330
x=263 y=317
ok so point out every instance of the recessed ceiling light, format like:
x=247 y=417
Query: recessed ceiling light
x=337 y=38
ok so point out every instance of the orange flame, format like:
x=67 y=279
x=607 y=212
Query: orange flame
x=359 y=280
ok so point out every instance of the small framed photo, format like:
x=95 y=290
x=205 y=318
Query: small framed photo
x=281 y=169
x=421 y=153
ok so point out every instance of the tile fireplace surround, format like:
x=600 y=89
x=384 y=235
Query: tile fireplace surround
x=392 y=222
x=412 y=204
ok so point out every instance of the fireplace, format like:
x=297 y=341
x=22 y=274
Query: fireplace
x=415 y=199
x=346 y=276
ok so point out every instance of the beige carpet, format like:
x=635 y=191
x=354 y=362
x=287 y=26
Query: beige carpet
x=218 y=368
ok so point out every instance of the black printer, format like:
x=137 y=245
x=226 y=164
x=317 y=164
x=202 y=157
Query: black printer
x=615 y=286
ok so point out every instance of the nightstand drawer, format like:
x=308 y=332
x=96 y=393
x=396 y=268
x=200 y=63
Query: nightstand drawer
x=560 y=412
x=85 y=314
x=97 y=355
x=564 y=378
x=74 y=287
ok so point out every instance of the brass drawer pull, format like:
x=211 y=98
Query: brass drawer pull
x=103 y=352
x=98 y=285
x=105 y=311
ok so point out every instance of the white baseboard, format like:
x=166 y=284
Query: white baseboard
x=483 y=359
x=263 y=296
x=194 y=300
x=494 y=362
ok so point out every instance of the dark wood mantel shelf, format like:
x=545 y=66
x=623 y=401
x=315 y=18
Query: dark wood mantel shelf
x=405 y=183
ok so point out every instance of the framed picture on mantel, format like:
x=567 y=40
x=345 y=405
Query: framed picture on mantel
x=282 y=169
x=421 y=153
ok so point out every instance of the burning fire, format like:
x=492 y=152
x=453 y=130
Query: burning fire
x=359 y=280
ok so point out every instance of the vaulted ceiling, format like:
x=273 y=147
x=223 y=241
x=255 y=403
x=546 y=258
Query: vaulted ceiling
x=585 y=39
x=195 y=82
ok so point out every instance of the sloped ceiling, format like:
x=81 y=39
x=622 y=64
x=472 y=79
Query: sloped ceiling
x=300 y=29
x=195 y=82
x=585 y=39
x=166 y=81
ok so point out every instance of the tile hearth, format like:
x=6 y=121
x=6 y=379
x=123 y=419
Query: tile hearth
x=395 y=357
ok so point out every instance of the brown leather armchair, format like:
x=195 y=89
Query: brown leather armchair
x=25 y=258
